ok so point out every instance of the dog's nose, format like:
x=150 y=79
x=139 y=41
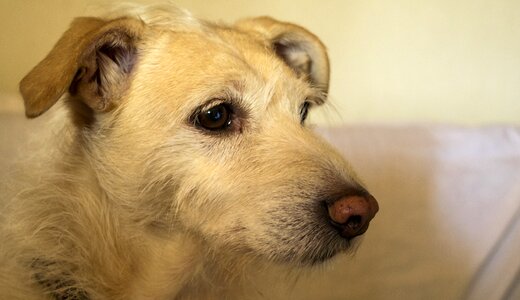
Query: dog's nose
x=352 y=214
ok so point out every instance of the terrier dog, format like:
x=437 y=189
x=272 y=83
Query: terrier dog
x=183 y=159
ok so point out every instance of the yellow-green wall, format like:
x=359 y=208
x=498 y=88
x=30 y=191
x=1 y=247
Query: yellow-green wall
x=439 y=61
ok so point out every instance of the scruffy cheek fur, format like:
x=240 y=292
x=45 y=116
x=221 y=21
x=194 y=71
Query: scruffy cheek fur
x=133 y=197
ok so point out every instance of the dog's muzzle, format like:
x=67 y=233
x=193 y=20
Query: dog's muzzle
x=351 y=215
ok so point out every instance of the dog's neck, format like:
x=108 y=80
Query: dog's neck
x=153 y=263
x=165 y=269
x=182 y=267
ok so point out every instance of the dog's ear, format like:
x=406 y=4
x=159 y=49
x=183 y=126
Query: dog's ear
x=299 y=48
x=92 y=61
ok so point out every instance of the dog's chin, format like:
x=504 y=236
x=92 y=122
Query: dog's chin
x=344 y=248
x=316 y=254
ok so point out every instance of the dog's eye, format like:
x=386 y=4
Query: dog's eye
x=304 y=111
x=215 y=118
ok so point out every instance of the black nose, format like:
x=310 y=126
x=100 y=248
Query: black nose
x=351 y=215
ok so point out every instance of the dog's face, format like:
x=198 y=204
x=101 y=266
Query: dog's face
x=203 y=131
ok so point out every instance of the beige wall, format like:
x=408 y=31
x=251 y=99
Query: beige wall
x=393 y=61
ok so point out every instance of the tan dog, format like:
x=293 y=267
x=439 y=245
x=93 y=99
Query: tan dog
x=185 y=162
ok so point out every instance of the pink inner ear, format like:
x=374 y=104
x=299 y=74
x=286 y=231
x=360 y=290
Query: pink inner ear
x=106 y=70
x=294 y=56
x=122 y=55
x=103 y=76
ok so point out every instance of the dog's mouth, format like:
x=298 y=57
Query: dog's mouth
x=303 y=240
x=313 y=255
x=314 y=233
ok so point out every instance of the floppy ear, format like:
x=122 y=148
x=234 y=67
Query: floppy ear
x=92 y=60
x=299 y=48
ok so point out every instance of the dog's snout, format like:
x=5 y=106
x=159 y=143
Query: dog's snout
x=352 y=214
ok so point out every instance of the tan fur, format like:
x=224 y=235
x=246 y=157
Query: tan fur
x=135 y=201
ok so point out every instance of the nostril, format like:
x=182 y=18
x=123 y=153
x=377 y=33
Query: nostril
x=354 y=222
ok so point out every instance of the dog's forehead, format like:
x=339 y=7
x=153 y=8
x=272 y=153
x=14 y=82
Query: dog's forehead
x=205 y=64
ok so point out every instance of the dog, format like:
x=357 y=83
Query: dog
x=182 y=163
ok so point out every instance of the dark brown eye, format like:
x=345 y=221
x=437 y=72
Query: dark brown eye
x=216 y=118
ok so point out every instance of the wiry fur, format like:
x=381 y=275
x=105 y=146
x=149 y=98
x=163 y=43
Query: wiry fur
x=135 y=202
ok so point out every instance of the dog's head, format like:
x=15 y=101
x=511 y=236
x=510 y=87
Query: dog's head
x=200 y=128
